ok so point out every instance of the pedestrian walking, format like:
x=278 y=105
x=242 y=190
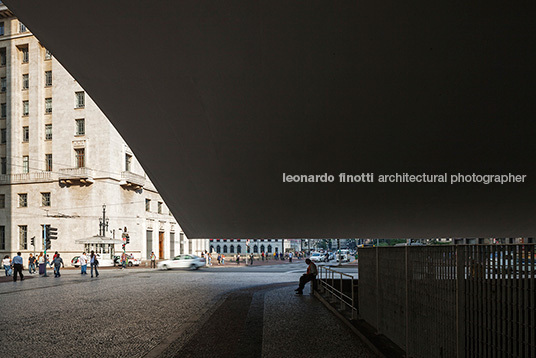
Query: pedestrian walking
x=238 y=259
x=310 y=275
x=41 y=261
x=83 y=263
x=290 y=257
x=223 y=259
x=262 y=255
x=219 y=259
x=17 y=263
x=123 y=261
x=31 y=264
x=153 y=260
x=251 y=259
x=53 y=258
x=58 y=263
x=94 y=262
x=7 y=265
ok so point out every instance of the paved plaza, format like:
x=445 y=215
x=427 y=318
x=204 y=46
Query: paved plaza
x=246 y=312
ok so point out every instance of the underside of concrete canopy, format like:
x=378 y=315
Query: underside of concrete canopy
x=220 y=100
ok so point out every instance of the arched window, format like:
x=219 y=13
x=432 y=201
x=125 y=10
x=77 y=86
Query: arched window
x=238 y=249
x=218 y=249
x=224 y=249
x=276 y=249
x=270 y=249
x=255 y=249
x=211 y=248
x=262 y=248
x=232 y=249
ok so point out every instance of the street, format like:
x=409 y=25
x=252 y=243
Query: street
x=216 y=312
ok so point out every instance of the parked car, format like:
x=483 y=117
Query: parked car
x=102 y=262
x=132 y=261
x=191 y=262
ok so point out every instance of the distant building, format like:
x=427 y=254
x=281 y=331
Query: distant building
x=256 y=246
x=61 y=160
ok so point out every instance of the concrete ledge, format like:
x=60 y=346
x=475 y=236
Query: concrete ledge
x=379 y=344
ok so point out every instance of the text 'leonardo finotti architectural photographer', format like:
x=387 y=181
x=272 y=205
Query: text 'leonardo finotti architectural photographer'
x=457 y=178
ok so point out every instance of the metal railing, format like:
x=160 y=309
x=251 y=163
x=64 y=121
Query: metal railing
x=452 y=301
x=328 y=283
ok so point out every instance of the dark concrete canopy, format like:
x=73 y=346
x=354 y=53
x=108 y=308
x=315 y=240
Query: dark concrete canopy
x=219 y=98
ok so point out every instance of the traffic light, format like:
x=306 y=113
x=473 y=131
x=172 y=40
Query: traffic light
x=47 y=243
x=123 y=247
x=32 y=241
x=128 y=239
x=52 y=232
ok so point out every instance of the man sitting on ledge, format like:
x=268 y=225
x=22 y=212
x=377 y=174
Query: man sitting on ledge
x=306 y=277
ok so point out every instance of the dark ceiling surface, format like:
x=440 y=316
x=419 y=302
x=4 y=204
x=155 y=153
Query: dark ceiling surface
x=219 y=98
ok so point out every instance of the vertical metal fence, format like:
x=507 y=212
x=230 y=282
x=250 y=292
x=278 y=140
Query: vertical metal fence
x=452 y=301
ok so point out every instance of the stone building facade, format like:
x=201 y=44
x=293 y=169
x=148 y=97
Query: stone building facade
x=62 y=160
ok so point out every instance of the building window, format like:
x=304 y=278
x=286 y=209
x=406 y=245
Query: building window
x=2 y=237
x=1 y=29
x=22 y=28
x=80 y=157
x=45 y=199
x=48 y=162
x=23 y=237
x=23 y=200
x=48 y=55
x=147 y=204
x=25 y=81
x=80 y=127
x=2 y=200
x=128 y=162
x=3 y=138
x=48 y=131
x=25 y=164
x=48 y=78
x=3 y=110
x=3 y=56
x=25 y=55
x=48 y=105
x=80 y=100
x=25 y=108
x=25 y=134
x=160 y=208
x=4 y=165
x=3 y=84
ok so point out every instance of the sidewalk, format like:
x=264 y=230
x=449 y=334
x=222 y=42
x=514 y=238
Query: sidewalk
x=269 y=321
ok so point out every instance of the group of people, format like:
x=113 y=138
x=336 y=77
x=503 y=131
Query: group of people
x=93 y=262
x=15 y=266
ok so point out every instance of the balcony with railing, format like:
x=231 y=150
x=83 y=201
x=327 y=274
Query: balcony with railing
x=131 y=180
x=33 y=177
x=70 y=176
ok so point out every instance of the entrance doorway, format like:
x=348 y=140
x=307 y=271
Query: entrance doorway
x=161 y=245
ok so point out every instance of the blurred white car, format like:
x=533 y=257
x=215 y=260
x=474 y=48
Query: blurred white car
x=317 y=257
x=191 y=262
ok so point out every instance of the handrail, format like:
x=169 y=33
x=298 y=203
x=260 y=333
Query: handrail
x=327 y=273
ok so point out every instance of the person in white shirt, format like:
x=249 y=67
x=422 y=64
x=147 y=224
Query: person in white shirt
x=83 y=263
x=7 y=265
